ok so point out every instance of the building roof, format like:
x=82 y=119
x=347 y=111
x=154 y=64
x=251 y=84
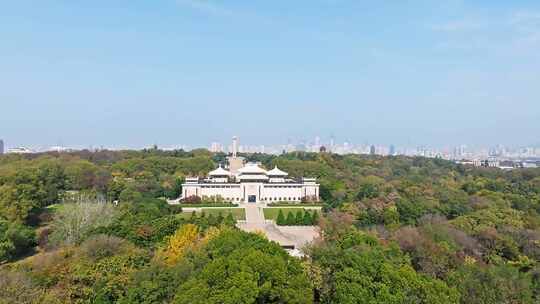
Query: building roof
x=251 y=168
x=219 y=172
x=277 y=172
x=245 y=177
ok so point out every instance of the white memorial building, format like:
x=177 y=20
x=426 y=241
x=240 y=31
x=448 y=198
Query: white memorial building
x=251 y=184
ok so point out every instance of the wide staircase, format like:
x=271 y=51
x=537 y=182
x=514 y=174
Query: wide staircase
x=254 y=214
x=255 y=222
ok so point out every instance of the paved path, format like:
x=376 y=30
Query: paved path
x=287 y=236
x=254 y=214
x=292 y=236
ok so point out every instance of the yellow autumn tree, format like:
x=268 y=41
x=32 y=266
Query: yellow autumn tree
x=211 y=233
x=183 y=240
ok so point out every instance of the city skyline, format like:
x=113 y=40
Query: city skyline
x=190 y=71
x=329 y=144
x=179 y=144
x=222 y=143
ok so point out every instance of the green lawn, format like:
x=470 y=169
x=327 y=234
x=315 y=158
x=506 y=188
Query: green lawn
x=202 y=205
x=299 y=205
x=272 y=213
x=238 y=213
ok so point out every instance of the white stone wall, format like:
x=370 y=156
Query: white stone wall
x=284 y=192
x=231 y=192
x=311 y=190
x=265 y=192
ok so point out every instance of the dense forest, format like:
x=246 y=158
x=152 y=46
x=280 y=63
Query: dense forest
x=93 y=227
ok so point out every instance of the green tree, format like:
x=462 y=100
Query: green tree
x=410 y=212
x=245 y=268
x=307 y=220
x=391 y=217
x=281 y=218
x=315 y=218
x=129 y=195
x=212 y=220
x=229 y=220
x=15 y=240
x=497 y=284
x=299 y=218
x=219 y=218
x=81 y=175
x=144 y=223
x=370 y=187
x=13 y=205
x=291 y=220
x=359 y=269
x=155 y=284
x=26 y=190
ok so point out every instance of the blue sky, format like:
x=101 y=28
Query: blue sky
x=133 y=73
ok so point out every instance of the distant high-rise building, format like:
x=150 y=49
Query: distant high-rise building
x=460 y=152
x=392 y=150
x=234 y=151
x=1 y=147
x=372 y=150
x=216 y=147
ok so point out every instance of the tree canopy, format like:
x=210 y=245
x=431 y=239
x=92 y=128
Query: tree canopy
x=94 y=227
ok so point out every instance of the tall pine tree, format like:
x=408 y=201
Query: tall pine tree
x=299 y=220
x=229 y=220
x=308 y=220
x=281 y=218
x=291 y=221
x=315 y=218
